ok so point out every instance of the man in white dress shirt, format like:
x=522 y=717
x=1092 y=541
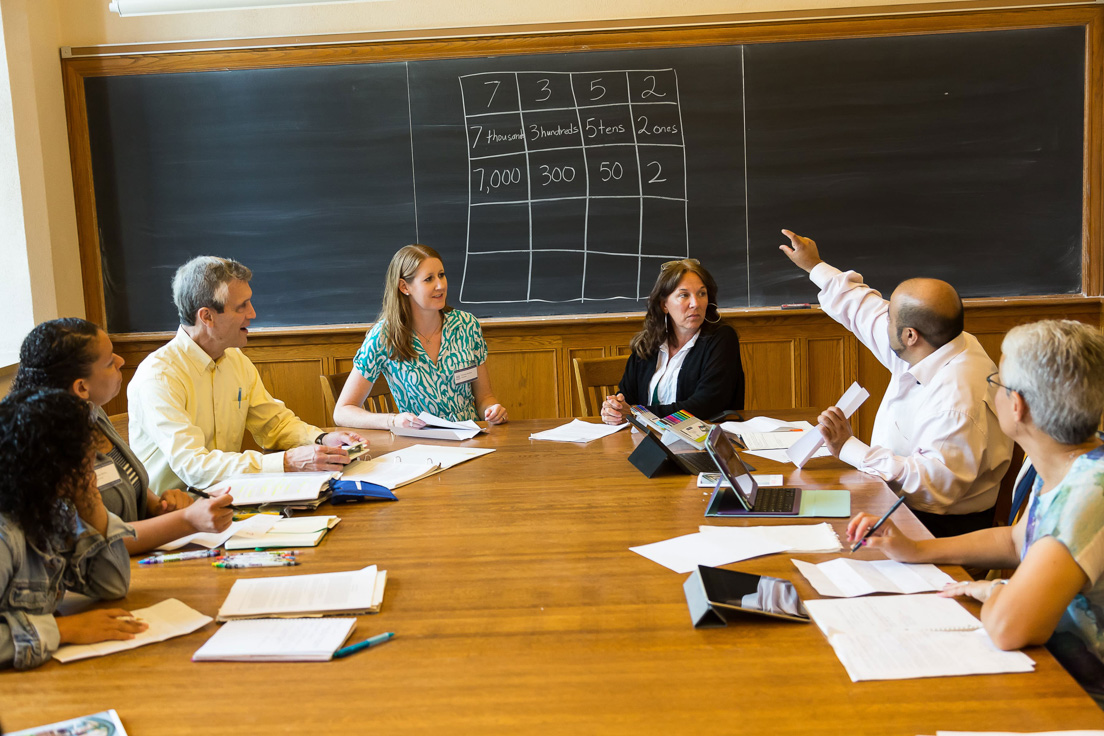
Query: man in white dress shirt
x=191 y=401
x=936 y=436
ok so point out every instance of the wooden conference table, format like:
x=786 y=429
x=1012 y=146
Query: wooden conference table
x=518 y=608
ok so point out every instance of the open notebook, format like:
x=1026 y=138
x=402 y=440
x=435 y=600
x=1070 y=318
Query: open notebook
x=277 y=640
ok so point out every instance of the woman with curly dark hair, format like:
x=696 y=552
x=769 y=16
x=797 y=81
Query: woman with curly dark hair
x=55 y=534
x=685 y=358
x=75 y=355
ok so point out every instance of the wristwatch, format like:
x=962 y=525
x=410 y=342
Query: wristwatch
x=319 y=438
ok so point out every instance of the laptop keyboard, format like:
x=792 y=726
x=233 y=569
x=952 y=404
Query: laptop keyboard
x=772 y=500
x=699 y=461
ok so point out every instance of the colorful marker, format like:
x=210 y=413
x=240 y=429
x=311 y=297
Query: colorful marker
x=178 y=556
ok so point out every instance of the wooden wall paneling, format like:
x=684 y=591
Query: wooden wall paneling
x=827 y=370
x=526 y=382
x=295 y=382
x=770 y=368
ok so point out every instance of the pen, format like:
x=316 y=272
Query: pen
x=878 y=525
x=370 y=642
x=797 y=306
x=198 y=554
x=201 y=494
x=255 y=563
x=239 y=397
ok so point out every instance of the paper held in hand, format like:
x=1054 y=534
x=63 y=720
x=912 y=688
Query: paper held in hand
x=800 y=451
x=440 y=429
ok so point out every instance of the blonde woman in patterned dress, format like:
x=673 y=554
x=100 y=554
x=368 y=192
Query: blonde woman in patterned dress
x=433 y=356
x=1050 y=395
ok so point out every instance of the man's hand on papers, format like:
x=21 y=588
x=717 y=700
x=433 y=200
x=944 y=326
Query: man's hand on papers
x=889 y=540
x=835 y=428
x=614 y=409
x=316 y=458
x=100 y=625
x=495 y=414
x=802 y=251
x=211 y=514
x=339 y=439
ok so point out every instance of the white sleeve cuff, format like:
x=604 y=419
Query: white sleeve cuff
x=854 y=452
x=822 y=273
x=273 y=462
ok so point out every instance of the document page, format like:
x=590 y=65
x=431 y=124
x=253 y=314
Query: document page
x=812 y=441
x=578 y=431
x=301 y=594
x=255 y=525
x=446 y=457
x=891 y=613
x=166 y=619
x=685 y=553
x=796 y=537
x=277 y=640
x=905 y=655
x=846 y=578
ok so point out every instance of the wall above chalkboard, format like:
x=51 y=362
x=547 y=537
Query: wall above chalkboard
x=557 y=183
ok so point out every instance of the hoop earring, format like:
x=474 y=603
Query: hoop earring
x=715 y=311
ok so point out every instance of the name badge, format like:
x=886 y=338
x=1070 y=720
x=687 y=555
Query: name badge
x=107 y=475
x=465 y=375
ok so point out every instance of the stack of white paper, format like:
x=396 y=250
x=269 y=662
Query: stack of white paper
x=578 y=431
x=910 y=636
x=440 y=429
x=167 y=619
x=390 y=475
x=806 y=538
x=293 y=596
x=845 y=578
x=277 y=640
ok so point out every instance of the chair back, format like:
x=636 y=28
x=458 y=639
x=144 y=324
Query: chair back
x=379 y=398
x=121 y=423
x=595 y=379
x=1008 y=488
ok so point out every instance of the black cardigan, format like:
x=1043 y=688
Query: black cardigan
x=711 y=379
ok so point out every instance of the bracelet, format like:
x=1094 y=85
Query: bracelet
x=319 y=438
x=995 y=583
x=391 y=419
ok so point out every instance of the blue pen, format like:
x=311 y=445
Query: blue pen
x=878 y=524
x=370 y=642
x=239 y=397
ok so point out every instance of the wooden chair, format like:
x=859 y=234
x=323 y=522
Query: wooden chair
x=121 y=422
x=379 y=399
x=595 y=379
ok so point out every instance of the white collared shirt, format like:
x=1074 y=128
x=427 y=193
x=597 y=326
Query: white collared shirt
x=188 y=414
x=936 y=435
x=664 y=383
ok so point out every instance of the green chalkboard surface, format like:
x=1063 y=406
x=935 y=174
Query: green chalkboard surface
x=558 y=183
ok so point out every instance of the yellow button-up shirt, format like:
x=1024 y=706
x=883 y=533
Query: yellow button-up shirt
x=188 y=414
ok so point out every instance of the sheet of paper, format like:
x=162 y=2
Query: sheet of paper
x=302 y=531
x=166 y=619
x=578 y=431
x=794 y=537
x=300 y=594
x=709 y=480
x=443 y=455
x=806 y=447
x=390 y=475
x=435 y=421
x=905 y=655
x=276 y=640
x=258 y=524
x=781 y=456
x=762 y=424
x=685 y=553
x=925 y=612
x=847 y=578
x=436 y=433
x=104 y=722
x=258 y=488
x=780 y=439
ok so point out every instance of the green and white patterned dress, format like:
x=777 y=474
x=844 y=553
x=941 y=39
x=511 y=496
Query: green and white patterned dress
x=1073 y=513
x=419 y=385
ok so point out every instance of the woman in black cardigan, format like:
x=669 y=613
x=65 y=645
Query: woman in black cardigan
x=684 y=358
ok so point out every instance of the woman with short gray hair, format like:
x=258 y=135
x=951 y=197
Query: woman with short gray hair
x=1050 y=396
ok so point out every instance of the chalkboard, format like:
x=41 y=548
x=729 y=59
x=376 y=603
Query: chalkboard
x=558 y=183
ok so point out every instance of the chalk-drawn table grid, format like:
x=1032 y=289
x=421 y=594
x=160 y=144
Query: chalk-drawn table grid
x=577 y=184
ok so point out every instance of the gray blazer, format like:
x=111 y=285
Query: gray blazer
x=123 y=499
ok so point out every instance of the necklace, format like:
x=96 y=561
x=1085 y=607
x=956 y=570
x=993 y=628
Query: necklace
x=431 y=335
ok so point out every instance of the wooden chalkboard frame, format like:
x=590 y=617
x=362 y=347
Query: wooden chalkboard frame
x=75 y=70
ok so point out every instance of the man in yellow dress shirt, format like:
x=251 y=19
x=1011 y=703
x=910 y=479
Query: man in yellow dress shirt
x=191 y=401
